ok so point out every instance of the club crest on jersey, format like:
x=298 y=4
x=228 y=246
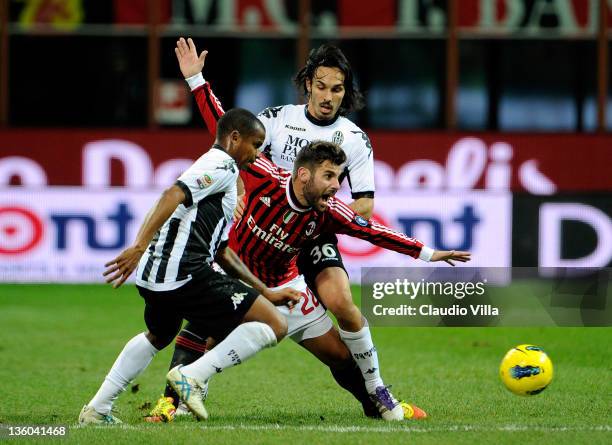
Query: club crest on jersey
x=360 y=220
x=310 y=228
x=266 y=200
x=228 y=164
x=289 y=216
x=338 y=138
x=205 y=181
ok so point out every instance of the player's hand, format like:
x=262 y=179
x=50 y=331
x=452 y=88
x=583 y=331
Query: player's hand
x=188 y=59
x=287 y=296
x=449 y=256
x=119 y=269
x=240 y=206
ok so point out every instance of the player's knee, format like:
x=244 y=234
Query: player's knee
x=159 y=340
x=338 y=306
x=343 y=308
x=279 y=325
x=335 y=294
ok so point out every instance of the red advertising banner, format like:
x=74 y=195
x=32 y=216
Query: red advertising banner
x=500 y=17
x=503 y=16
x=541 y=164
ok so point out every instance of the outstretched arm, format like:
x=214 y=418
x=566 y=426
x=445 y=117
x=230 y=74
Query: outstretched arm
x=450 y=256
x=191 y=65
x=344 y=220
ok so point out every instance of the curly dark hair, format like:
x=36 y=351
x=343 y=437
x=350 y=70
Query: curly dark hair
x=238 y=119
x=316 y=153
x=332 y=57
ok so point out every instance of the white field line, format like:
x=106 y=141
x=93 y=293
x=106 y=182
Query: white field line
x=387 y=430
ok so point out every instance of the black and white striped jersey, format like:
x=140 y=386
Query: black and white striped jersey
x=189 y=239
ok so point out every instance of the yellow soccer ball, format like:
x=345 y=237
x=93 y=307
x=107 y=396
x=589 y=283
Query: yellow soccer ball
x=526 y=370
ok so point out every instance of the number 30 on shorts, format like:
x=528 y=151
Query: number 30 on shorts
x=327 y=251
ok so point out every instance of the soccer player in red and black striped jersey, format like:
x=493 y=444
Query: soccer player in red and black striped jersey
x=284 y=211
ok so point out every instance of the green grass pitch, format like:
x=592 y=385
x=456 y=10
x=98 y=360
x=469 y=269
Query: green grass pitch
x=58 y=341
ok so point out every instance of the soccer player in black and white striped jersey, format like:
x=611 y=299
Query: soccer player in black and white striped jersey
x=174 y=249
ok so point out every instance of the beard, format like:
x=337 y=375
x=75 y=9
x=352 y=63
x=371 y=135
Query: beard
x=310 y=193
x=315 y=198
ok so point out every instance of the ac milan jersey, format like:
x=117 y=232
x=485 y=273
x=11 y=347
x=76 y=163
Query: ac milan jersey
x=274 y=226
x=289 y=128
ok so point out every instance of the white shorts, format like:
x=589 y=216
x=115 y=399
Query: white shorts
x=308 y=318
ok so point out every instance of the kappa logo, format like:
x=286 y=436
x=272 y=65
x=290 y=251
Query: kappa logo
x=291 y=127
x=237 y=298
x=265 y=200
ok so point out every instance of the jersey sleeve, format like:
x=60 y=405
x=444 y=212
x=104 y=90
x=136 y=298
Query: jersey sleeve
x=208 y=104
x=204 y=179
x=360 y=166
x=342 y=219
x=269 y=118
x=258 y=172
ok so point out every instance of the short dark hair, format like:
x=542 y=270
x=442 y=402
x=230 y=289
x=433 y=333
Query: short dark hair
x=332 y=57
x=245 y=122
x=316 y=153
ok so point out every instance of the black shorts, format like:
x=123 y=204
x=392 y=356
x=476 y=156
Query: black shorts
x=317 y=255
x=213 y=301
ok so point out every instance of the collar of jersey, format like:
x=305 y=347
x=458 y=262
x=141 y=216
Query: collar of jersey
x=219 y=147
x=319 y=122
x=292 y=199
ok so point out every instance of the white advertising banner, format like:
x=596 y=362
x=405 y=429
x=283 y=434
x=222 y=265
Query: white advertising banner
x=476 y=221
x=66 y=234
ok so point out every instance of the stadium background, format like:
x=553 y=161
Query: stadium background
x=490 y=122
x=476 y=121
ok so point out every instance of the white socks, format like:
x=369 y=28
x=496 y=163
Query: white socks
x=364 y=353
x=135 y=357
x=241 y=344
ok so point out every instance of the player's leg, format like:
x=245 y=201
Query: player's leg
x=163 y=325
x=190 y=344
x=244 y=321
x=332 y=351
x=263 y=327
x=321 y=263
x=310 y=327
